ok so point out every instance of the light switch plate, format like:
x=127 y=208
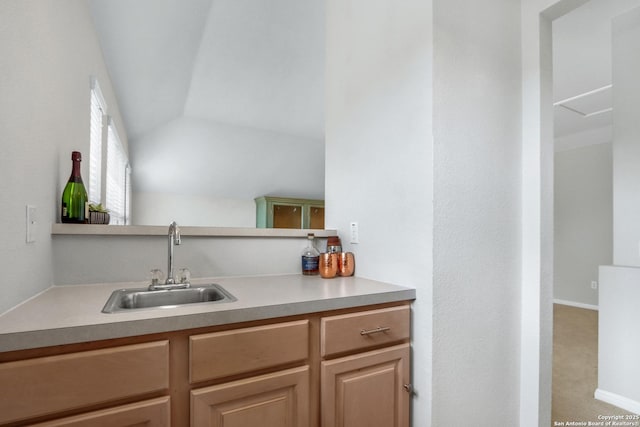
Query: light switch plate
x=31 y=224
x=354 y=233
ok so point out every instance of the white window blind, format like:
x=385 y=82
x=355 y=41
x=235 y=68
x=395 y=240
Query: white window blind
x=109 y=171
x=98 y=111
x=117 y=178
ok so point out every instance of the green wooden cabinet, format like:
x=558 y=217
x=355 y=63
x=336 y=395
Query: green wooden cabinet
x=283 y=212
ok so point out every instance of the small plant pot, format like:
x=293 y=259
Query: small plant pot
x=99 y=217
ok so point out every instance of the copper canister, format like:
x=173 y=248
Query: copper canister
x=328 y=265
x=346 y=264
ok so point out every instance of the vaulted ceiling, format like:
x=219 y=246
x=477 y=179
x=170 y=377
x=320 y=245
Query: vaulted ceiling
x=259 y=64
x=256 y=64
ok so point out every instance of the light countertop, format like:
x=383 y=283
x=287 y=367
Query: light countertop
x=73 y=313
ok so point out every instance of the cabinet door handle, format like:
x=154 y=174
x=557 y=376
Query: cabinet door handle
x=375 y=331
x=408 y=388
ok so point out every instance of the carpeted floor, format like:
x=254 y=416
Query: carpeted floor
x=575 y=367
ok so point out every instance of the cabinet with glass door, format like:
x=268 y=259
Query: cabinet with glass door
x=283 y=212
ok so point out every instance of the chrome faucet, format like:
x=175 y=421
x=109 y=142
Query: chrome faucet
x=174 y=239
x=171 y=283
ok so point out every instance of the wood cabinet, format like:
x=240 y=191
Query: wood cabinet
x=344 y=368
x=366 y=388
x=276 y=399
x=43 y=386
x=282 y=212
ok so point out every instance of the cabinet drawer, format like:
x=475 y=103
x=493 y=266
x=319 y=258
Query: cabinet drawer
x=367 y=329
x=47 y=385
x=222 y=354
x=147 y=413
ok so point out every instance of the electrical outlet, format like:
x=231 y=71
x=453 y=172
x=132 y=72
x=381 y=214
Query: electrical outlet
x=594 y=284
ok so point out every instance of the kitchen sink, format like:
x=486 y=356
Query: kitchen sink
x=143 y=298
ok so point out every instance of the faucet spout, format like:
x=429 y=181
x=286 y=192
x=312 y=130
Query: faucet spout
x=174 y=239
x=171 y=282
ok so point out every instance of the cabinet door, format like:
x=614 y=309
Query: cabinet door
x=316 y=217
x=280 y=399
x=148 y=413
x=285 y=212
x=367 y=389
x=287 y=216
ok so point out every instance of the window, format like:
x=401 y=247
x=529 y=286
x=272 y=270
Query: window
x=98 y=112
x=117 y=178
x=109 y=171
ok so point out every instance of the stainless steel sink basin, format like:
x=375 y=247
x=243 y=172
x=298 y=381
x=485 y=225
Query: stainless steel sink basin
x=141 y=298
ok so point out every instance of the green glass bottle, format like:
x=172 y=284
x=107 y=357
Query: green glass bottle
x=75 y=203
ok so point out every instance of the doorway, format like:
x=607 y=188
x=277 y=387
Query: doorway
x=583 y=200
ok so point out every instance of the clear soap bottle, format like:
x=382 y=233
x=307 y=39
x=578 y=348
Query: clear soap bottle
x=310 y=258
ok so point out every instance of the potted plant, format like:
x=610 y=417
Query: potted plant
x=98 y=214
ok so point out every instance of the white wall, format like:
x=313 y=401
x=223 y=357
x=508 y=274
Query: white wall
x=618 y=370
x=476 y=213
x=618 y=348
x=626 y=148
x=48 y=51
x=537 y=209
x=379 y=165
x=105 y=259
x=217 y=163
x=151 y=208
x=379 y=141
x=583 y=215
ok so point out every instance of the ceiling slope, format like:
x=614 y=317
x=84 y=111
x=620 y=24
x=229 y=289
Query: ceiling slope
x=245 y=62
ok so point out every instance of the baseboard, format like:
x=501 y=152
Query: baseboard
x=575 y=304
x=617 y=400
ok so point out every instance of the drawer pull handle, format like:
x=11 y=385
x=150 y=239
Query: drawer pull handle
x=375 y=331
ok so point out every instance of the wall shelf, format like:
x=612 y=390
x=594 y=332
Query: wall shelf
x=159 y=230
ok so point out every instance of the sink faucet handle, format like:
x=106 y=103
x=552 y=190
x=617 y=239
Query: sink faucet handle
x=157 y=276
x=184 y=276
